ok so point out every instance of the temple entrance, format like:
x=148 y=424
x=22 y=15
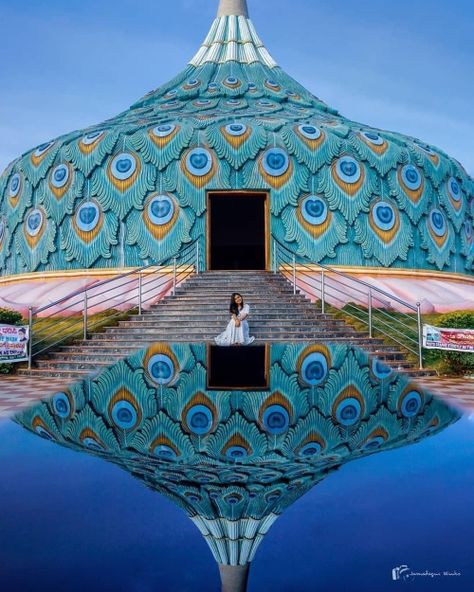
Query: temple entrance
x=237 y=231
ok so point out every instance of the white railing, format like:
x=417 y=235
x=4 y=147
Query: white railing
x=78 y=313
x=362 y=301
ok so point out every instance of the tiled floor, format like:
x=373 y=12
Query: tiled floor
x=18 y=392
x=460 y=391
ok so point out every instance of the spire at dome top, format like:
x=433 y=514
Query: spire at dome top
x=233 y=38
x=233 y=7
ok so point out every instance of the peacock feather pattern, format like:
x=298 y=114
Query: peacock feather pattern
x=234 y=461
x=234 y=120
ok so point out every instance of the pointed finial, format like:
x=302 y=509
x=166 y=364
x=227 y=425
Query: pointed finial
x=233 y=7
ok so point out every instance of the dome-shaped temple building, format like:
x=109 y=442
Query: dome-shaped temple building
x=233 y=132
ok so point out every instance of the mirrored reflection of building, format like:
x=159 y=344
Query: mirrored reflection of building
x=234 y=460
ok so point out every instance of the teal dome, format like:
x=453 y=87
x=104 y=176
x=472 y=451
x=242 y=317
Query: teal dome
x=134 y=188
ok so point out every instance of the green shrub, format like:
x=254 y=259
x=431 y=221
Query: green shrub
x=457 y=362
x=9 y=317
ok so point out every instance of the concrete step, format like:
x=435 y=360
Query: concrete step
x=223 y=317
x=254 y=323
x=164 y=331
x=92 y=355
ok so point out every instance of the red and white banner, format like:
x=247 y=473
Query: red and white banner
x=450 y=339
x=13 y=344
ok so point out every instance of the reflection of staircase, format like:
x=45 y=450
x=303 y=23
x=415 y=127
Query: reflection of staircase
x=199 y=311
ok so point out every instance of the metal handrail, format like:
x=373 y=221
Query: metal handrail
x=289 y=264
x=151 y=280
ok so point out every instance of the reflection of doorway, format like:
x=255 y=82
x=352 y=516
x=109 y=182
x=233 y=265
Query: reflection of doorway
x=237 y=230
x=238 y=368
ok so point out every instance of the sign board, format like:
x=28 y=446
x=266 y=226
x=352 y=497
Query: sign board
x=448 y=339
x=13 y=344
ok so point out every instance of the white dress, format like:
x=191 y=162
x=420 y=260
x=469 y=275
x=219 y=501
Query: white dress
x=234 y=334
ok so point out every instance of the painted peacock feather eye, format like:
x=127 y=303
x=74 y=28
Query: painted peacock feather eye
x=310 y=132
x=232 y=82
x=272 y=85
x=165 y=452
x=41 y=428
x=161 y=210
x=468 y=230
x=163 y=131
x=61 y=405
x=375 y=439
x=381 y=370
x=310 y=449
x=199 y=162
x=92 y=137
x=314 y=368
x=34 y=222
x=314 y=210
x=384 y=216
x=275 y=162
x=437 y=222
x=202 y=103
x=124 y=415
x=232 y=477
x=348 y=169
x=454 y=189
x=193 y=83
x=123 y=166
x=14 y=186
x=60 y=176
x=87 y=216
x=199 y=419
x=411 y=177
x=92 y=444
x=233 y=102
x=236 y=129
x=276 y=419
x=161 y=369
x=373 y=138
x=265 y=103
x=212 y=87
x=42 y=149
x=233 y=498
x=410 y=403
x=236 y=452
x=348 y=411
x=273 y=496
x=425 y=148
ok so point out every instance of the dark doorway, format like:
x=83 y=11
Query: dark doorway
x=237 y=231
x=235 y=368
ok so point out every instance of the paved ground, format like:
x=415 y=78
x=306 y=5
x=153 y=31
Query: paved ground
x=17 y=392
x=459 y=391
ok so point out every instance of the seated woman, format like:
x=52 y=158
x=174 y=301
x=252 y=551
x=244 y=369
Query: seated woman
x=237 y=331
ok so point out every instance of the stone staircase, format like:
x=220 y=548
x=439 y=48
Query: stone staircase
x=199 y=311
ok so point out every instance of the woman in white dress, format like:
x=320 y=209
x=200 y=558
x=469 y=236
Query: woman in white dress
x=237 y=331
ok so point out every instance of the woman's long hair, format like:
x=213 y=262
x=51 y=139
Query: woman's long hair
x=234 y=309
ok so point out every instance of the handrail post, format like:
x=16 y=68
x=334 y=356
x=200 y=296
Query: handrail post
x=420 y=334
x=323 y=292
x=174 y=276
x=370 y=313
x=85 y=315
x=294 y=274
x=197 y=257
x=30 y=336
x=275 y=264
x=140 y=292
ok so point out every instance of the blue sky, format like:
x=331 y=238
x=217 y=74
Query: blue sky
x=404 y=66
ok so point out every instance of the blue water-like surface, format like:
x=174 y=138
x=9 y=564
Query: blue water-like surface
x=70 y=521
